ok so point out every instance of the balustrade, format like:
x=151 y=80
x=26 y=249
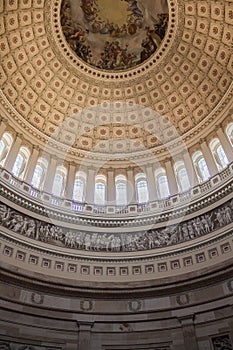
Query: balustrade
x=133 y=205
x=153 y=206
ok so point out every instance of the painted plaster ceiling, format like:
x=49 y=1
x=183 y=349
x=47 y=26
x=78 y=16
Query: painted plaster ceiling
x=57 y=95
x=114 y=35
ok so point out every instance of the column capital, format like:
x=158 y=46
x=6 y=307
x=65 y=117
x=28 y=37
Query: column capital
x=3 y=119
x=53 y=157
x=185 y=151
x=120 y=171
x=186 y=320
x=130 y=168
x=168 y=159
x=85 y=325
x=90 y=168
x=20 y=135
x=73 y=163
x=217 y=127
x=202 y=140
x=149 y=166
x=36 y=147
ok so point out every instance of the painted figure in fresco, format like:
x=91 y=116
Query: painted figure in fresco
x=90 y=9
x=94 y=50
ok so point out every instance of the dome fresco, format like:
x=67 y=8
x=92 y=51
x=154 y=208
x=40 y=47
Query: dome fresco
x=114 y=35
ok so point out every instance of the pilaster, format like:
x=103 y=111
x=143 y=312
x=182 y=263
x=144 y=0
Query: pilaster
x=90 y=188
x=48 y=184
x=131 y=191
x=171 y=177
x=84 y=332
x=3 y=125
x=213 y=169
x=225 y=143
x=193 y=179
x=70 y=181
x=189 y=334
x=32 y=164
x=12 y=155
x=111 y=193
x=151 y=183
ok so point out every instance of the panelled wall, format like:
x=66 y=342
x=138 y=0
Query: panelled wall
x=198 y=319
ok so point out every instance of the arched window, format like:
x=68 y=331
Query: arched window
x=59 y=181
x=100 y=190
x=181 y=176
x=121 y=190
x=141 y=188
x=219 y=154
x=79 y=186
x=229 y=132
x=21 y=162
x=200 y=166
x=39 y=173
x=162 y=183
x=5 y=145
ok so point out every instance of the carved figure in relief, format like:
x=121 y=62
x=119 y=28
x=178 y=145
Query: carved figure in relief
x=31 y=229
x=190 y=230
x=205 y=224
x=200 y=226
x=5 y=216
x=151 y=239
x=12 y=220
x=17 y=223
x=185 y=232
x=87 y=241
x=222 y=342
x=219 y=218
x=227 y=214
x=173 y=238
x=5 y=346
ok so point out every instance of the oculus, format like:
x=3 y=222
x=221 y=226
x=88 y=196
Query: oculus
x=114 y=35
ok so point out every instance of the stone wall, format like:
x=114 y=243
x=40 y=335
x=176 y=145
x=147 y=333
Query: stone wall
x=198 y=319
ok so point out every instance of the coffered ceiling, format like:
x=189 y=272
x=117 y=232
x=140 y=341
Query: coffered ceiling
x=58 y=95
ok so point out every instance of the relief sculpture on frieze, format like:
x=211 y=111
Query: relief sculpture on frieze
x=116 y=242
x=5 y=345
